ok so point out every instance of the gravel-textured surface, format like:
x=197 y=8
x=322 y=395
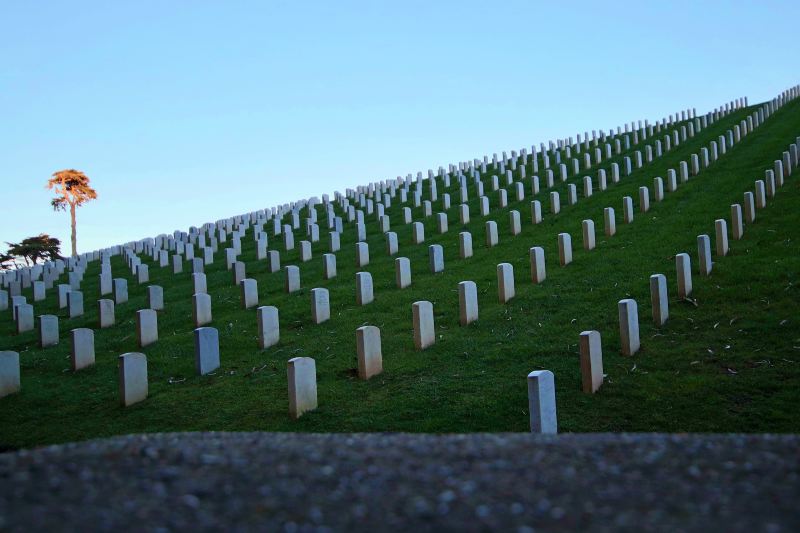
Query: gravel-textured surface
x=296 y=482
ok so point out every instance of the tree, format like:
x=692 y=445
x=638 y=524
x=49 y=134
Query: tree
x=42 y=247
x=72 y=189
x=7 y=261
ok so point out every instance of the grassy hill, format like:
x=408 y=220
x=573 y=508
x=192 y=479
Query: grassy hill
x=729 y=360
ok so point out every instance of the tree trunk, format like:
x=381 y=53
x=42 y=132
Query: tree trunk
x=74 y=232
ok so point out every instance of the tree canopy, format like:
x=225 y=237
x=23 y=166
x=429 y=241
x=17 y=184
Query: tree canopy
x=33 y=250
x=71 y=187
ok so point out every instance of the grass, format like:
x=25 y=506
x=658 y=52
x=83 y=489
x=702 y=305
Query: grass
x=728 y=362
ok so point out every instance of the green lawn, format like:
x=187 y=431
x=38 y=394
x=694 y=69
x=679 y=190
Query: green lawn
x=727 y=362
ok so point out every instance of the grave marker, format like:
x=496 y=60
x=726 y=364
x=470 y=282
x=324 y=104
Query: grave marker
x=268 y=326
x=82 y=348
x=542 y=402
x=628 y=326
x=591 y=351
x=422 y=317
x=132 y=378
x=368 y=349
x=206 y=350
x=302 y=376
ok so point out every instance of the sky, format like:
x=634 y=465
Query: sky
x=183 y=113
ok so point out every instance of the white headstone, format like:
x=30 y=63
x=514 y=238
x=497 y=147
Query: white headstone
x=292 y=279
x=658 y=299
x=542 y=402
x=436 y=258
x=704 y=254
x=48 y=330
x=302 y=376
x=132 y=378
x=248 y=289
x=402 y=272
x=201 y=309
x=82 y=348
x=9 y=373
x=364 y=292
x=146 y=327
x=424 y=332
x=591 y=361
x=206 y=350
x=268 y=326
x=505 y=282
x=467 y=302
x=628 y=326
x=320 y=305
x=368 y=349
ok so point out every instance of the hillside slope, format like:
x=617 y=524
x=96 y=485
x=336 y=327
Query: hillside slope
x=728 y=360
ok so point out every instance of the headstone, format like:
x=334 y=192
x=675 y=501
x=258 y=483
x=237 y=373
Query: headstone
x=627 y=209
x=628 y=326
x=505 y=282
x=536 y=212
x=201 y=309
x=132 y=378
x=292 y=279
x=48 y=330
x=422 y=317
x=737 y=225
x=24 y=318
x=155 y=297
x=436 y=258
x=305 y=251
x=644 y=199
x=206 y=350
x=143 y=274
x=418 y=233
x=542 y=402
x=368 y=349
x=248 y=289
x=120 y=290
x=749 y=207
x=328 y=266
x=9 y=373
x=467 y=302
x=588 y=234
x=238 y=272
x=465 y=244
x=683 y=267
x=761 y=194
x=82 y=348
x=146 y=327
x=320 y=305
x=38 y=291
x=63 y=290
x=704 y=254
x=491 y=233
x=441 y=222
x=591 y=361
x=268 y=326
x=402 y=272
x=105 y=313
x=274 y=260
x=658 y=299
x=302 y=377
x=721 y=230
x=364 y=293
x=75 y=303
x=555 y=203
x=362 y=254
x=564 y=249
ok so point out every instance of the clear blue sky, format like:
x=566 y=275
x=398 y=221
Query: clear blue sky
x=186 y=112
